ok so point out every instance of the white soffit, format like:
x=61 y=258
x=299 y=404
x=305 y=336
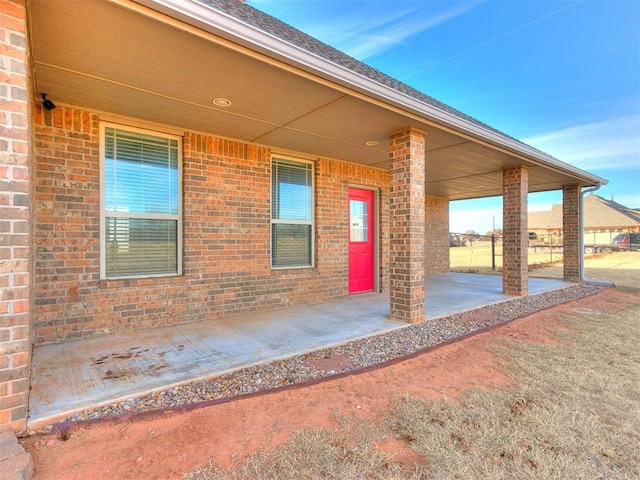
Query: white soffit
x=219 y=23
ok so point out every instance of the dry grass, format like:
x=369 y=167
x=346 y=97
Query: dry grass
x=477 y=258
x=576 y=414
x=621 y=268
x=313 y=454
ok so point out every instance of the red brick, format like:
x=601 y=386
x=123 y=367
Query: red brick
x=436 y=235
x=20 y=359
x=5 y=420
x=14 y=186
x=13 y=9
x=20 y=306
x=406 y=245
x=515 y=237
x=571 y=232
x=226 y=198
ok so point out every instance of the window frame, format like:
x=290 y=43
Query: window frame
x=310 y=223
x=103 y=213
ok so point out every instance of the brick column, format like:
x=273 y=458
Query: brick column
x=572 y=256
x=515 y=186
x=15 y=217
x=436 y=235
x=407 y=208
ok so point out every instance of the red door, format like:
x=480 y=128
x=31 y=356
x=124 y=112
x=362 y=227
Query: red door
x=361 y=235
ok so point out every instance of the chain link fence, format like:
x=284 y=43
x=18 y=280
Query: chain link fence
x=475 y=253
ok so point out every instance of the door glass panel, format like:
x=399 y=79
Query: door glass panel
x=359 y=220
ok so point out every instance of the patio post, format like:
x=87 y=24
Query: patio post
x=436 y=235
x=17 y=242
x=571 y=254
x=515 y=243
x=407 y=204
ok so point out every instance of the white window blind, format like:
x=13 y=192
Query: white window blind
x=291 y=213
x=141 y=203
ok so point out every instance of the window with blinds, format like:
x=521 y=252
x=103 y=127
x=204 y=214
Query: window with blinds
x=291 y=213
x=141 y=205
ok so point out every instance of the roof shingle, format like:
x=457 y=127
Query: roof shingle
x=598 y=213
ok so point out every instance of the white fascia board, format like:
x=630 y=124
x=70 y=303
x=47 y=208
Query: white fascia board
x=230 y=28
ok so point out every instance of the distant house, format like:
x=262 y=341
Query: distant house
x=603 y=220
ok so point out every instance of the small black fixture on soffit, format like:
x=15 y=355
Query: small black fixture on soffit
x=46 y=103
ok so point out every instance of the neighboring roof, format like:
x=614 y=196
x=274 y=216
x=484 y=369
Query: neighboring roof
x=549 y=219
x=598 y=213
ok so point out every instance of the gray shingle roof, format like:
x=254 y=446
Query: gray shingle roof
x=607 y=213
x=283 y=31
x=598 y=213
x=546 y=219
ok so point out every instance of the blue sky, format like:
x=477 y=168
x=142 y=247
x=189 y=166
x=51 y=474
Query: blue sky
x=562 y=76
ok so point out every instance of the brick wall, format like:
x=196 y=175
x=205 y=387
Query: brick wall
x=571 y=253
x=67 y=229
x=15 y=217
x=436 y=235
x=515 y=270
x=226 y=235
x=332 y=182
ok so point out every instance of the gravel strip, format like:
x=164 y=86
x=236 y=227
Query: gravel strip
x=361 y=354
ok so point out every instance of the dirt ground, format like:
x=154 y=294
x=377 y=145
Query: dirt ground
x=169 y=444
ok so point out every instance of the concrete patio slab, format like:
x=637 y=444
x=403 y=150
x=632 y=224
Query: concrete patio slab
x=78 y=375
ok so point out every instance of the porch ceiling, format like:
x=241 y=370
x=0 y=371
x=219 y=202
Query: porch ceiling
x=121 y=58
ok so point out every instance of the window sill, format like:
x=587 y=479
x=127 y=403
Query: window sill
x=284 y=270
x=139 y=280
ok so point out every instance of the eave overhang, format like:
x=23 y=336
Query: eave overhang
x=163 y=61
x=221 y=24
